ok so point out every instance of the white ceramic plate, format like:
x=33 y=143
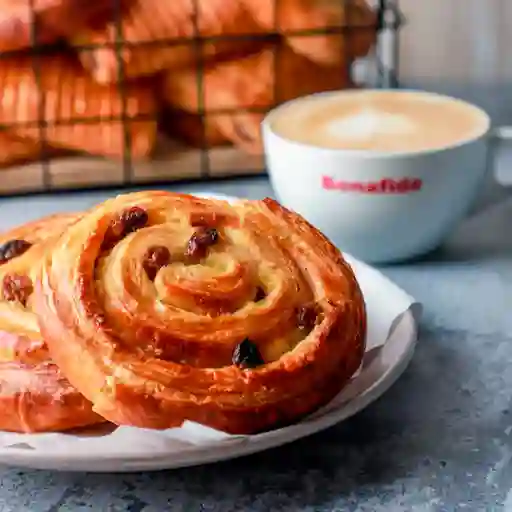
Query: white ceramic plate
x=124 y=452
x=382 y=373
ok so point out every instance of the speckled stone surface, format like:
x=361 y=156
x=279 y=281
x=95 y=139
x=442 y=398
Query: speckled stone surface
x=439 y=440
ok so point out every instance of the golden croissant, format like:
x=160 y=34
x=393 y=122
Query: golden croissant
x=160 y=36
x=344 y=29
x=53 y=19
x=16 y=150
x=162 y=307
x=79 y=113
x=192 y=129
x=248 y=87
x=173 y=35
x=34 y=395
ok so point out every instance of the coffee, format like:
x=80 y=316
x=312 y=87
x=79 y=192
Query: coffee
x=381 y=121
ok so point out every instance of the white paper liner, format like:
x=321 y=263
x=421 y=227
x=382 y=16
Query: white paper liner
x=386 y=304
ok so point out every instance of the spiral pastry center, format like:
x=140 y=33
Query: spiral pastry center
x=202 y=280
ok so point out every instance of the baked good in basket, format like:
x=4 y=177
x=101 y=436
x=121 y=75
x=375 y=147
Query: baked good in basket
x=79 y=113
x=161 y=35
x=163 y=307
x=192 y=129
x=171 y=35
x=248 y=87
x=337 y=29
x=54 y=19
x=34 y=395
x=16 y=150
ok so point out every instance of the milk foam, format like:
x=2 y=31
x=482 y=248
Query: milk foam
x=369 y=123
x=380 y=121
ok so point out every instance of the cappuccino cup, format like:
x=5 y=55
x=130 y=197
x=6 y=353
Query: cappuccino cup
x=385 y=174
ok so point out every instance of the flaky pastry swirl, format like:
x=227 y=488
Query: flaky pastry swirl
x=34 y=395
x=163 y=307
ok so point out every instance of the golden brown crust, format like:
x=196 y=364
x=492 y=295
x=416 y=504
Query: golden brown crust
x=347 y=29
x=192 y=129
x=34 y=395
x=161 y=36
x=55 y=18
x=80 y=114
x=170 y=29
x=155 y=351
x=15 y=150
x=249 y=87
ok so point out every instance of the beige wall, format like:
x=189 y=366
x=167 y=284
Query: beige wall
x=462 y=48
x=457 y=40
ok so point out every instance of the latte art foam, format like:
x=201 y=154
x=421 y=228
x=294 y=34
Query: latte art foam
x=384 y=121
x=368 y=124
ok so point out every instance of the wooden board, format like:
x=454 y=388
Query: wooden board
x=172 y=162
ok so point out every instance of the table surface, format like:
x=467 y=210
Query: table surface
x=439 y=440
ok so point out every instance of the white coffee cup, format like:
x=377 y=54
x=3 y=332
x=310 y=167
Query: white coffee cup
x=380 y=206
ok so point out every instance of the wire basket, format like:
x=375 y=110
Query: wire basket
x=105 y=100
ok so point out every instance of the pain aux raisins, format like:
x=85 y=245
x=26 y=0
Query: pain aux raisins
x=13 y=248
x=129 y=221
x=155 y=258
x=200 y=241
x=247 y=355
x=17 y=287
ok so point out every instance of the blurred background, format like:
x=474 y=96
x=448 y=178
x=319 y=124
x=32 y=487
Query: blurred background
x=144 y=91
x=460 y=47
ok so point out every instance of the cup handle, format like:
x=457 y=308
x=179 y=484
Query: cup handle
x=493 y=191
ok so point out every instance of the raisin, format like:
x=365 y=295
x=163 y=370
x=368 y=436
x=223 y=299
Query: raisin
x=200 y=241
x=156 y=257
x=247 y=355
x=129 y=220
x=308 y=316
x=133 y=219
x=13 y=248
x=260 y=294
x=17 y=288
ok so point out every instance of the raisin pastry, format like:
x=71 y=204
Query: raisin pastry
x=163 y=307
x=34 y=395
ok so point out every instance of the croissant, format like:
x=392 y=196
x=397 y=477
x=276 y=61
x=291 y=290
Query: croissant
x=54 y=18
x=356 y=21
x=78 y=111
x=192 y=129
x=34 y=395
x=249 y=87
x=160 y=35
x=15 y=150
x=163 y=35
x=163 y=307
x=16 y=29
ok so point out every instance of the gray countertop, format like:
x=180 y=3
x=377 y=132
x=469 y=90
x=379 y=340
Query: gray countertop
x=439 y=440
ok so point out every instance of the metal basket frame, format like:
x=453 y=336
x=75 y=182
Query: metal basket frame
x=389 y=19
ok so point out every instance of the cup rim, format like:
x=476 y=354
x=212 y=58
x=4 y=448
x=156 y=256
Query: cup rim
x=367 y=153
